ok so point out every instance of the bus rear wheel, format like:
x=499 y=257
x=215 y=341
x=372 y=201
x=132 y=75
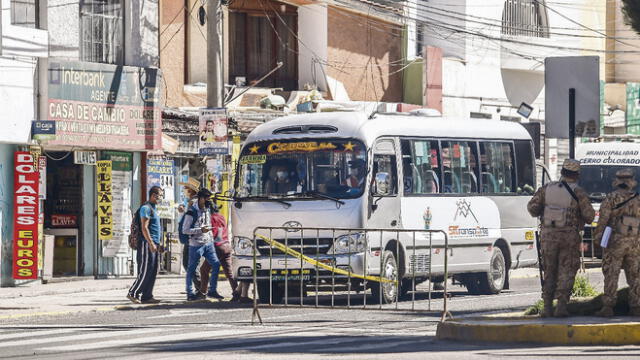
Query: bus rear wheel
x=492 y=282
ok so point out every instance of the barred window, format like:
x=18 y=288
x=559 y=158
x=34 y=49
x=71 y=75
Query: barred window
x=24 y=13
x=102 y=31
x=525 y=18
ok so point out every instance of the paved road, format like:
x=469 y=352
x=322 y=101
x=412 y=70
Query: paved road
x=214 y=329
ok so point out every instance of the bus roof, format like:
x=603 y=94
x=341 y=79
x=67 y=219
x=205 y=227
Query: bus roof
x=357 y=125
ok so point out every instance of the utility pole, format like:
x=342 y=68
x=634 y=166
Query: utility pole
x=214 y=54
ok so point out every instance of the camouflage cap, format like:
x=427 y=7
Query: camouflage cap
x=625 y=176
x=571 y=165
x=625 y=173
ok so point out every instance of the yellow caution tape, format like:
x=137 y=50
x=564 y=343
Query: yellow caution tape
x=313 y=262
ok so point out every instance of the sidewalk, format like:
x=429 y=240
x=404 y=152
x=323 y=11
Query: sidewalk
x=87 y=295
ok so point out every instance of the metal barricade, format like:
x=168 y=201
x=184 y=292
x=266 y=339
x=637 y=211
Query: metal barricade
x=287 y=261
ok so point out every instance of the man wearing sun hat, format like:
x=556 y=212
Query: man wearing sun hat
x=564 y=208
x=190 y=190
x=620 y=211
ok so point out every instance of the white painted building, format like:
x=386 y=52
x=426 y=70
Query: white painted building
x=494 y=51
x=22 y=48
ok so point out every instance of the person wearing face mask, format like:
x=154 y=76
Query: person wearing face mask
x=356 y=174
x=281 y=182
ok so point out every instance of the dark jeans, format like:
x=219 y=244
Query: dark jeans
x=224 y=256
x=185 y=265
x=147 y=270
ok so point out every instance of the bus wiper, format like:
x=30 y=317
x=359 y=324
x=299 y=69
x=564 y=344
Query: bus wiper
x=269 y=198
x=319 y=195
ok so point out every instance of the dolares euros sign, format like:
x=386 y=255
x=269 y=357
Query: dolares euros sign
x=25 y=209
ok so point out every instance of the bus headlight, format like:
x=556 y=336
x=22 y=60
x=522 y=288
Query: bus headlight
x=350 y=243
x=243 y=246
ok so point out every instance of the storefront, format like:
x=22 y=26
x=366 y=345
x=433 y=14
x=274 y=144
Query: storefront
x=101 y=113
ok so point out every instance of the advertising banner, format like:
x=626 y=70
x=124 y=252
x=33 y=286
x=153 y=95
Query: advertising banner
x=105 y=200
x=121 y=185
x=213 y=132
x=104 y=106
x=26 y=213
x=160 y=173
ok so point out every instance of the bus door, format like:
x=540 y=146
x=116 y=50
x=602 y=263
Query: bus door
x=384 y=201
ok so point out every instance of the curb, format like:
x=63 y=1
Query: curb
x=517 y=330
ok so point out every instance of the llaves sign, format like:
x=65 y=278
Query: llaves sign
x=25 y=209
x=105 y=200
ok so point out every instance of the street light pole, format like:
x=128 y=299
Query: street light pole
x=214 y=54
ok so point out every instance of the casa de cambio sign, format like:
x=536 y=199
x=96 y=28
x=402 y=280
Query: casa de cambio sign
x=104 y=106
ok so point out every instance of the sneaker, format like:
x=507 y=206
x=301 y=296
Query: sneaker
x=235 y=297
x=215 y=295
x=195 y=297
x=149 y=301
x=133 y=299
x=605 y=311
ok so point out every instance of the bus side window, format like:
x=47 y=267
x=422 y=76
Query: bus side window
x=525 y=167
x=497 y=170
x=420 y=167
x=386 y=163
x=460 y=167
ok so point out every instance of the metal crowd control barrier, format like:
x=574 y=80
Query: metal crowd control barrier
x=313 y=251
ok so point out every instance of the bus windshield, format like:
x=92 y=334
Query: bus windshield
x=302 y=168
x=596 y=180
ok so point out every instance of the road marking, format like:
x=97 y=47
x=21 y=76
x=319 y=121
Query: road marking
x=30 y=334
x=74 y=337
x=145 y=342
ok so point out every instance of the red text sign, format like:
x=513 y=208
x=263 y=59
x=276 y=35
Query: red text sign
x=58 y=220
x=25 y=210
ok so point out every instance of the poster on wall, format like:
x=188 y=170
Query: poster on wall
x=213 y=132
x=105 y=199
x=160 y=173
x=121 y=187
x=26 y=216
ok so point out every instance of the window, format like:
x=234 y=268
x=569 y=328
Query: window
x=421 y=167
x=525 y=167
x=497 y=172
x=24 y=13
x=102 y=31
x=258 y=42
x=383 y=163
x=460 y=167
x=525 y=18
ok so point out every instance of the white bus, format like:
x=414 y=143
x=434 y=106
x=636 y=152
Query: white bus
x=470 y=178
x=599 y=163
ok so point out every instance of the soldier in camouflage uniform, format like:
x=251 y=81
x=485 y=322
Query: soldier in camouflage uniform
x=620 y=210
x=562 y=217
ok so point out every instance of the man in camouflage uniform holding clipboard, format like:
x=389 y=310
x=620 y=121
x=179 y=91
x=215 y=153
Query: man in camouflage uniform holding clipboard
x=620 y=210
x=563 y=208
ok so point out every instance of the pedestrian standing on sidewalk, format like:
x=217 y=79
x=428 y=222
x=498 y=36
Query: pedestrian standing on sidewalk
x=190 y=189
x=201 y=245
x=563 y=208
x=147 y=250
x=223 y=251
x=620 y=211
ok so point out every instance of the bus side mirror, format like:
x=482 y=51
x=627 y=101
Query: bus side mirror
x=382 y=184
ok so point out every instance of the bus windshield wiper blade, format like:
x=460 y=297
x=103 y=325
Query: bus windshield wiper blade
x=319 y=195
x=269 y=198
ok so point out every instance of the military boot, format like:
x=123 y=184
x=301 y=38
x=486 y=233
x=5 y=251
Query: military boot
x=606 y=311
x=561 y=309
x=548 y=309
x=634 y=311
